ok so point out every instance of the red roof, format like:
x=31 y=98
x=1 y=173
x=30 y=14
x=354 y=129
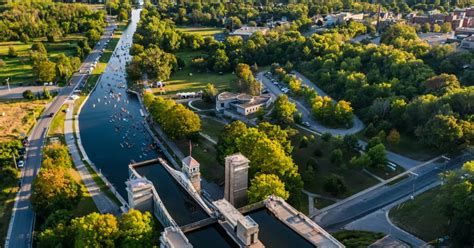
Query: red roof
x=190 y=162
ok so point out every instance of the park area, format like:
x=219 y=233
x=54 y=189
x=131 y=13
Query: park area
x=317 y=154
x=189 y=80
x=19 y=69
x=18 y=117
x=421 y=216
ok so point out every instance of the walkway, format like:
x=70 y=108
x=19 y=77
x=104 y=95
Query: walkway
x=102 y=201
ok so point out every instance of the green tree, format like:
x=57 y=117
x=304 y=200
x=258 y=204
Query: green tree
x=44 y=70
x=209 y=93
x=284 y=110
x=426 y=28
x=264 y=185
x=393 y=137
x=95 y=230
x=378 y=156
x=336 y=156
x=457 y=203
x=335 y=185
x=442 y=132
x=54 y=189
x=136 y=229
x=39 y=47
x=156 y=63
x=221 y=61
x=436 y=28
x=446 y=27
x=181 y=122
x=12 y=52
x=28 y=94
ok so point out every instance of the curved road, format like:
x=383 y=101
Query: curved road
x=23 y=217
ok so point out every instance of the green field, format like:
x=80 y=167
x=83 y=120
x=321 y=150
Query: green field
x=211 y=127
x=57 y=124
x=421 y=216
x=19 y=69
x=356 y=180
x=188 y=79
x=203 y=31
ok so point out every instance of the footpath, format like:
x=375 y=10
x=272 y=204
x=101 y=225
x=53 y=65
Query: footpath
x=102 y=201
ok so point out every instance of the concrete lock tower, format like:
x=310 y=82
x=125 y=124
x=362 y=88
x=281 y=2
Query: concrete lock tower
x=190 y=167
x=236 y=179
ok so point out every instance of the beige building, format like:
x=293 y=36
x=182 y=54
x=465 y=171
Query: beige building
x=243 y=104
x=245 y=32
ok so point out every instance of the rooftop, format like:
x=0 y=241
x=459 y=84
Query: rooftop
x=175 y=238
x=246 y=30
x=233 y=215
x=237 y=158
x=300 y=223
x=190 y=162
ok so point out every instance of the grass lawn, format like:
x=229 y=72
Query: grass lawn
x=203 y=31
x=7 y=199
x=188 y=79
x=356 y=180
x=57 y=124
x=19 y=117
x=320 y=203
x=413 y=148
x=211 y=127
x=86 y=205
x=19 y=69
x=353 y=239
x=421 y=216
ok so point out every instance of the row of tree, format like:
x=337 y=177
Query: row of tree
x=132 y=229
x=176 y=120
x=25 y=20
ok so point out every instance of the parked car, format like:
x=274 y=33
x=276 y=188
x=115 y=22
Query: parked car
x=306 y=124
x=21 y=164
x=51 y=114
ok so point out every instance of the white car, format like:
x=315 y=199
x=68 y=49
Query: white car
x=306 y=124
x=285 y=90
x=21 y=164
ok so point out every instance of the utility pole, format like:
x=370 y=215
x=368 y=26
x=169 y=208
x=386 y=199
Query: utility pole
x=14 y=160
x=8 y=83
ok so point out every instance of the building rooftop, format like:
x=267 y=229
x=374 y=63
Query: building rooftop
x=300 y=223
x=174 y=237
x=247 y=31
x=233 y=215
x=190 y=162
x=237 y=158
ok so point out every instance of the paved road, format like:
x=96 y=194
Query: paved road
x=342 y=214
x=102 y=201
x=307 y=115
x=379 y=221
x=16 y=92
x=23 y=216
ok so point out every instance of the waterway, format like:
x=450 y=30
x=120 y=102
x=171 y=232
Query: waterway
x=274 y=233
x=111 y=126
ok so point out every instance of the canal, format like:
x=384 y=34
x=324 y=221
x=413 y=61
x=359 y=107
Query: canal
x=110 y=123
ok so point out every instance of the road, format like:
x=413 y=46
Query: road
x=23 y=217
x=307 y=115
x=338 y=215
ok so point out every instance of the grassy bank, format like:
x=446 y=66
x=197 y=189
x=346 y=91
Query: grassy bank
x=421 y=216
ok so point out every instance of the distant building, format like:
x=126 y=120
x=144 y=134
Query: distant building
x=459 y=18
x=243 y=104
x=245 y=32
x=236 y=179
x=468 y=43
x=341 y=18
x=190 y=167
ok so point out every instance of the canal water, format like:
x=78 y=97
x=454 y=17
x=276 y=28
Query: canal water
x=112 y=129
x=274 y=233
